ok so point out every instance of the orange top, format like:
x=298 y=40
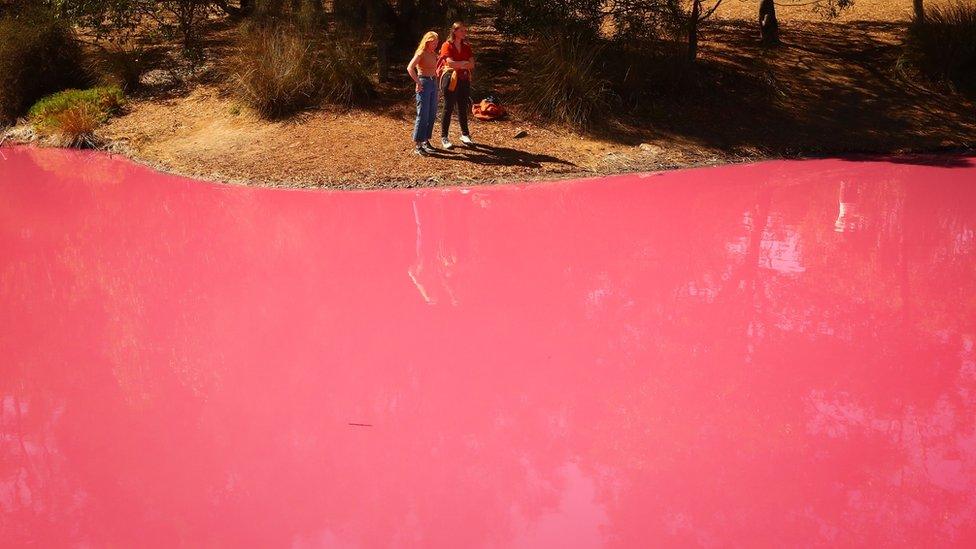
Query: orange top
x=463 y=54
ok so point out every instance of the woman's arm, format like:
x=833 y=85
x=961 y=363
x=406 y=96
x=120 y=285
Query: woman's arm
x=412 y=71
x=457 y=64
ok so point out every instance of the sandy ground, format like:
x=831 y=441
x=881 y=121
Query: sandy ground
x=206 y=135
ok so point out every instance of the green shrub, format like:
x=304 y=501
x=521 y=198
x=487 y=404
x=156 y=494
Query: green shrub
x=280 y=70
x=564 y=81
x=944 y=45
x=74 y=114
x=38 y=56
x=106 y=100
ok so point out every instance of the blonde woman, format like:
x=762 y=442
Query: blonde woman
x=422 y=69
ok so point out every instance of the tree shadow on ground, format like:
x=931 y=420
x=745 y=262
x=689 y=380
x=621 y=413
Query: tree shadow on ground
x=944 y=159
x=490 y=155
x=830 y=88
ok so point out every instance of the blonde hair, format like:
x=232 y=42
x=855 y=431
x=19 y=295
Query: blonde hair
x=422 y=46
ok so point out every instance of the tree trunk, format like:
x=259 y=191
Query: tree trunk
x=381 y=20
x=693 y=21
x=382 y=60
x=186 y=15
x=919 y=11
x=768 y=25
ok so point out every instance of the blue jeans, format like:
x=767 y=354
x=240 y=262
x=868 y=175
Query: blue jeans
x=426 y=109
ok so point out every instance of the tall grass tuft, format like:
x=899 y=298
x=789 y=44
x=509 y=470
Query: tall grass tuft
x=275 y=71
x=280 y=70
x=564 y=82
x=943 y=46
x=121 y=65
x=346 y=74
x=38 y=56
x=76 y=125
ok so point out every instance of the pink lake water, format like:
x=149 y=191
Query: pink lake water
x=776 y=354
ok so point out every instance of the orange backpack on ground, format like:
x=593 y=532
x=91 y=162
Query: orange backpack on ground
x=488 y=109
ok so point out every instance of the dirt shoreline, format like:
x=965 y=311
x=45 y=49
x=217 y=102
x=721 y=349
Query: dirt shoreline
x=113 y=149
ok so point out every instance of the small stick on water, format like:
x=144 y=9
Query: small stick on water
x=361 y=424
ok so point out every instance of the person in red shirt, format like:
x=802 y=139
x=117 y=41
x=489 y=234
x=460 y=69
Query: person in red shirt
x=456 y=59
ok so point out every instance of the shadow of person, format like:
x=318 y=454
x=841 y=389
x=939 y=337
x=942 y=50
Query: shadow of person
x=445 y=154
x=490 y=155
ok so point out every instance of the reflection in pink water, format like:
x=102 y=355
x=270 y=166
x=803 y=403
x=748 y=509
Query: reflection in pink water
x=706 y=357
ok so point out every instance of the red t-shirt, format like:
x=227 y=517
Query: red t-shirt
x=449 y=51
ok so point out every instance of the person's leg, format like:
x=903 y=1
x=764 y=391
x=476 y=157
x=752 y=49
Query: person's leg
x=430 y=88
x=421 y=121
x=432 y=107
x=450 y=97
x=463 y=101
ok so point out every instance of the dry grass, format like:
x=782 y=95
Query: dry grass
x=560 y=82
x=275 y=71
x=76 y=125
x=280 y=70
x=121 y=65
x=345 y=73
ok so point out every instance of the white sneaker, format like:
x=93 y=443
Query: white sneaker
x=467 y=140
x=446 y=143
